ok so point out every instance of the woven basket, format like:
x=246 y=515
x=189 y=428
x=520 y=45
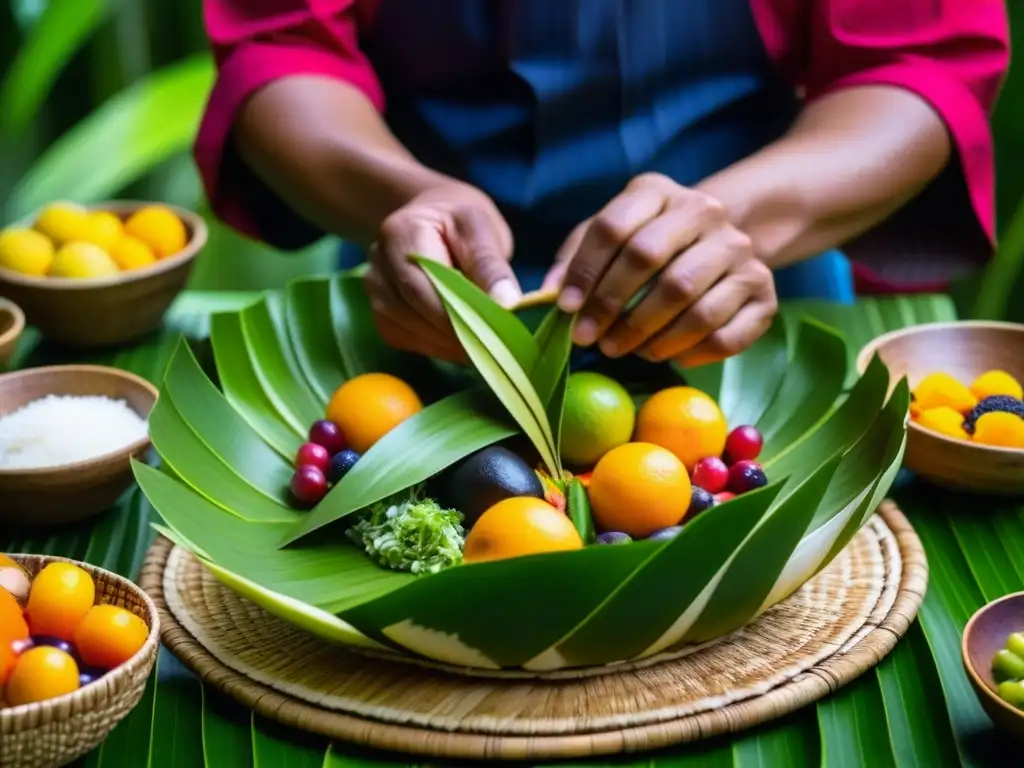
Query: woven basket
x=58 y=731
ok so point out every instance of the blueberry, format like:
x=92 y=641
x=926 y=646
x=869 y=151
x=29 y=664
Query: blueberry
x=340 y=465
x=699 y=501
x=665 y=534
x=614 y=537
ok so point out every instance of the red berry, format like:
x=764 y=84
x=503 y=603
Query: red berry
x=327 y=434
x=745 y=476
x=308 y=485
x=743 y=443
x=724 y=496
x=711 y=474
x=312 y=455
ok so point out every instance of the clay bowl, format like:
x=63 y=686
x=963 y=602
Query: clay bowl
x=60 y=730
x=12 y=323
x=106 y=311
x=984 y=635
x=964 y=350
x=63 y=494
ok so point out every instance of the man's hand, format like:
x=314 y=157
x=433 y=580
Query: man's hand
x=455 y=225
x=710 y=296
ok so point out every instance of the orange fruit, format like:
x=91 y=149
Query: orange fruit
x=12 y=620
x=131 y=253
x=1001 y=429
x=159 y=228
x=369 y=406
x=60 y=597
x=103 y=229
x=108 y=636
x=945 y=421
x=639 y=488
x=992 y=383
x=41 y=673
x=521 y=525
x=940 y=389
x=684 y=420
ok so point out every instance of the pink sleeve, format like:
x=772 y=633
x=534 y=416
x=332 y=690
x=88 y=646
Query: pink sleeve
x=255 y=43
x=952 y=53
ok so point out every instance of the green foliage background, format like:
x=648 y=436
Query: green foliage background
x=100 y=99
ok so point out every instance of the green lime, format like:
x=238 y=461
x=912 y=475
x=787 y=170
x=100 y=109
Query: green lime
x=598 y=415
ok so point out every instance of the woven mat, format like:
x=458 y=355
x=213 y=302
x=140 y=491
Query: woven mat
x=837 y=626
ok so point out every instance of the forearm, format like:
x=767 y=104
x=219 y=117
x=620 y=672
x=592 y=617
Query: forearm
x=320 y=145
x=851 y=160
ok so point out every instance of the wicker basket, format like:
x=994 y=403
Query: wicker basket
x=58 y=731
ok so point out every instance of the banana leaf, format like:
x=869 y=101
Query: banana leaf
x=308 y=313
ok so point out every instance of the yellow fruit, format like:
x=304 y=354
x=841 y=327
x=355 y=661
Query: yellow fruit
x=159 y=228
x=639 y=488
x=63 y=222
x=1001 y=429
x=104 y=230
x=522 y=525
x=993 y=383
x=25 y=251
x=369 y=406
x=684 y=420
x=60 y=597
x=945 y=421
x=82 y=260
x=940 y=389
x=598 y=415
x=131 y=253
x=41 y=673
x=108 y=636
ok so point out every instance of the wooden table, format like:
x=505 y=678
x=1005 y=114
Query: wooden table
x=915 y=709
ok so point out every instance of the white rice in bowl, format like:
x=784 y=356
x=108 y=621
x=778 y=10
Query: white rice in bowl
x=63 y=429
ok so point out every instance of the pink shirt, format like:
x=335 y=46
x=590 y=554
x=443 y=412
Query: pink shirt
x=952 y=53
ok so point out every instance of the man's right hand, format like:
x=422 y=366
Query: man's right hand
x=456 y=225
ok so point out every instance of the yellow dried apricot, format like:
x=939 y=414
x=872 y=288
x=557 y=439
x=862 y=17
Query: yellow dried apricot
x=1000 y=429
x=996 y=382
x=940 y=389
x=945 y=421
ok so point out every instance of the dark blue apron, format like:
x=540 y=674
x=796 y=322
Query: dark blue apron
x=552 y=106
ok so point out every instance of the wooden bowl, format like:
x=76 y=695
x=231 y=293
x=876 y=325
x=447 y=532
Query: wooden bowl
x=70 y=492
x=60 y=730
x=964 y=350
x=12 y=323
x=106 y=311
x=984 y=635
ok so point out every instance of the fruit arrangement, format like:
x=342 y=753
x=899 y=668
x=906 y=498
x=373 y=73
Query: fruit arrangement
x=989 y=411
x=69 y=241
x=642 y=475
x=1008 y=670
x=54 y=637
x=518 y=512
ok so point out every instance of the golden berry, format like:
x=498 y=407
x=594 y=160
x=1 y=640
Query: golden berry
x=108 y=636
x=992 y=383
x=41 y=673
x=940 y=389
x=999 y=428
x=60 y=597
x=945 y=421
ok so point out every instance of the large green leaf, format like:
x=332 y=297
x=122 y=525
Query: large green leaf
x=630 y=620
x=149 y=122
x=243 y=388
x=308 y=313
x=497 y=364
x=65 y=25
x=748 y=576
x=229 y=436
x=750 y=381
x=443 y=432
x=814 y=378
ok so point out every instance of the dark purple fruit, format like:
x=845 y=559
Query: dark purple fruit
x=700 y=500
x=746 y=476
x=88 y=675
x=308 y=485
x=1005 y=403
x=614 y=537
x=665 y=534
x=340 y=465
x=328 y=434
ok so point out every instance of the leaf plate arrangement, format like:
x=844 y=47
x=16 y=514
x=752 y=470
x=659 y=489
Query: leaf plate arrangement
x=225 y=459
